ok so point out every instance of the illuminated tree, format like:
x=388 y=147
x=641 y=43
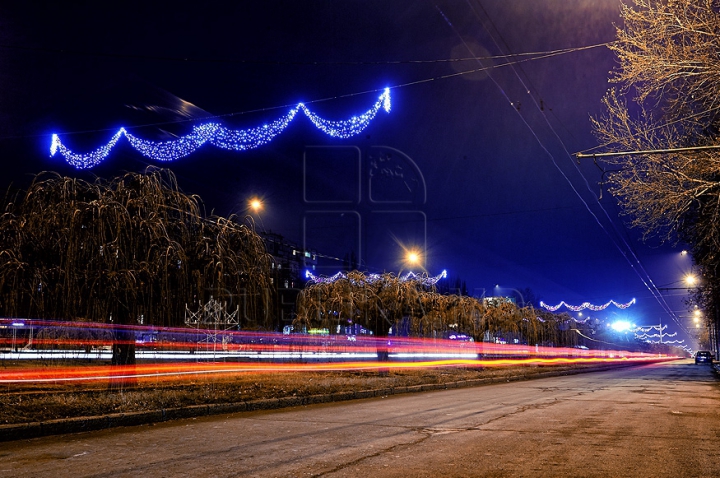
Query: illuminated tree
x=667 y=54
x=132 y=250
x=385 y=302
x=377 y=304
x=668 y=60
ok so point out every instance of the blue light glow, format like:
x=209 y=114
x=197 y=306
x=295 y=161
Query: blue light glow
x=621 y=326
x=221 y=137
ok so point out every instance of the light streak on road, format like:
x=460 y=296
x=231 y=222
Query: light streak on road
x=178 y=371
x=177 y=353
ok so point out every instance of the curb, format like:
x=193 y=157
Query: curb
x=62 y=426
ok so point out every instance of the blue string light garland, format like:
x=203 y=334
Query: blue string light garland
x=221 y=137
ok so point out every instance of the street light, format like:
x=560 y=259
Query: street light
x=255 y=204
x=697 y=314
x=691 y=281
x=412 y=257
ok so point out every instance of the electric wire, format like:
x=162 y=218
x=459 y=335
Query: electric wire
x=558 y=51
x=651 y=286
x=539 y=56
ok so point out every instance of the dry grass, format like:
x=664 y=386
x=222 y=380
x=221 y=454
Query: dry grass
x=52 y=401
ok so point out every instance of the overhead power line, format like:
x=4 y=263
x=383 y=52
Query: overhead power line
x=646 y=151
x=265 y=61
x=628 y=253
x=529 y=57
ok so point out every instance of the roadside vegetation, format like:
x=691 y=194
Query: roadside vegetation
x=137 y=251
x=133 y=250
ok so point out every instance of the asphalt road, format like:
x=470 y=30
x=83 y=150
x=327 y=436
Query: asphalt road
x=655 y=420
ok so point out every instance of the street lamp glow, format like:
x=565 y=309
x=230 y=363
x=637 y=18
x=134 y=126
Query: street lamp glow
x=256 y=205
x=690 y=280
x=412 y=257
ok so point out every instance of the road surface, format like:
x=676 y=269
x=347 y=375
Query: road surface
x=654 y=420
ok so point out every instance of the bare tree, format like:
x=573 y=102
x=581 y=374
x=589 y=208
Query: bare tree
x=667 y=53
x=669 y=68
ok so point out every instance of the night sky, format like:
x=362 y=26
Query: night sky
x=474 y=169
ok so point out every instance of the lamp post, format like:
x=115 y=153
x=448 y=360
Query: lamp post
x=690 y=280
x=412 y=257
x=255 y=206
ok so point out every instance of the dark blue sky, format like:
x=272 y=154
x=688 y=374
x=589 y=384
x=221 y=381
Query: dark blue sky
x=473 y=169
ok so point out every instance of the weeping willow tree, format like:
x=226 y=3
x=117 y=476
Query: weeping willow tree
x=376 y=304
x=134 y=249
x=385 y=302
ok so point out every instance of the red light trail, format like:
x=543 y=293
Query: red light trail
x=179 y=371
x=183 y=353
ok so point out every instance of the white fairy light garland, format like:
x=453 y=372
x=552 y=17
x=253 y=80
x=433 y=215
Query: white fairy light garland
x=370 y=278
x=586 y=305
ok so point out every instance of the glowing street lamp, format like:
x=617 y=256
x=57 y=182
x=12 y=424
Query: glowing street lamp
x=412 y=257
x=256 y=205
x=697 y=315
